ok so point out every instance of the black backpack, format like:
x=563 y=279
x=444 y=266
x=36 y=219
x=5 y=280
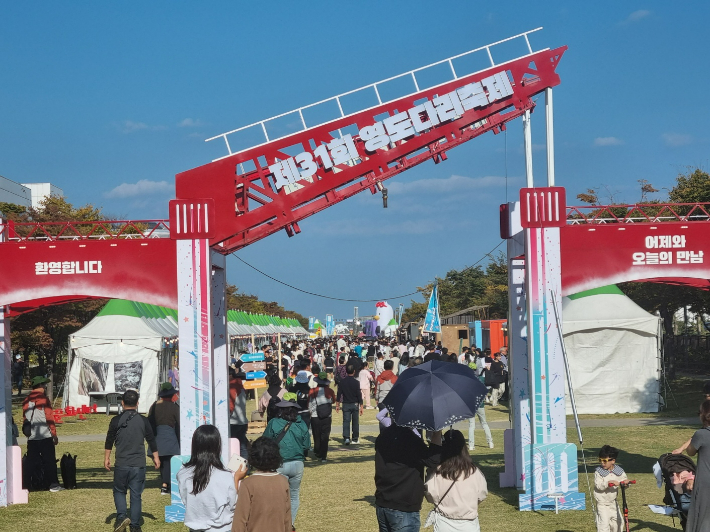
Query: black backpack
x=272 y=410
x=33 y=475
x=67 y=466
x=302 y=397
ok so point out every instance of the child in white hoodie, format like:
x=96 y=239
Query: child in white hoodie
x=207 y=489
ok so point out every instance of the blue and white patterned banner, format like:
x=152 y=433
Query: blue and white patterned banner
x=432 y=323
x=329 y=325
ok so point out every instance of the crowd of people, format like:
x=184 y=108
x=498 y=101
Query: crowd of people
x=351 y=375
x=313 y=380
x=262 y=493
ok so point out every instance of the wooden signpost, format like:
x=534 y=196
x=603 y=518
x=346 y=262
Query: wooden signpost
x=253 y=366
x=254 y=384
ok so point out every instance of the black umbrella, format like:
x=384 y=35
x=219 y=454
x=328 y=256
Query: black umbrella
x=435 y=395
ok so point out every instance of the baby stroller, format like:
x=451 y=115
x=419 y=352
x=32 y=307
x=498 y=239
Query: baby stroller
x=678 y=473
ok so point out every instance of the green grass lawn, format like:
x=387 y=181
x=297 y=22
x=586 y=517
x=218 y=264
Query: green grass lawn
x=342 y=491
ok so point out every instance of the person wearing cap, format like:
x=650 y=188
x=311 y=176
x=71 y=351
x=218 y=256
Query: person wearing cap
x=129 y=431
x=164 y=418
x=238 y=421
x=37 y=409
x=320 y=405
x=294 y=440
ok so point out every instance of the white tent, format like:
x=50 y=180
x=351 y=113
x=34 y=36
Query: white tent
x=614 y=352
x=125 y=346
x=132 y=345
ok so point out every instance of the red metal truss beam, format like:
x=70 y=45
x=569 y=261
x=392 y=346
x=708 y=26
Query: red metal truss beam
x=643 y=213
x=94 y=230
x=249 y=206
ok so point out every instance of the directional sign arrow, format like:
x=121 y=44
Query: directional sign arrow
x=253 y=366
x=252 y=357
x=256 y=375
x=250 y=385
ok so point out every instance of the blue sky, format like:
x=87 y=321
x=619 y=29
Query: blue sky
x=110 y=100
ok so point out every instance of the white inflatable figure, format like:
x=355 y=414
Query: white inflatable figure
x=384 y=315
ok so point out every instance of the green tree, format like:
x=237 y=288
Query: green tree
x=460 y=289
x=691 y=187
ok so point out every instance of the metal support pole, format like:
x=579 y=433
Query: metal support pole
x=278 y=368
x=527 y=139
x=550 y=138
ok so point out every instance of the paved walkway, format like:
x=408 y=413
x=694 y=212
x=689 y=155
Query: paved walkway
x=373 y=428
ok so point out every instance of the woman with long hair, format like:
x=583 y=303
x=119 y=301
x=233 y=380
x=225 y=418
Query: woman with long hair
x=291 y=433
x=207 y=489
x=456 y=487
x=699 y=512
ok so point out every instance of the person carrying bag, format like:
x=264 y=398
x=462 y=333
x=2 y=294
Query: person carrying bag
x=463 y=487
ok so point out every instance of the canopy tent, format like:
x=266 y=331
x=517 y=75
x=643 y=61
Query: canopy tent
x=127 y=345
x=614 y=352
x=132 y=345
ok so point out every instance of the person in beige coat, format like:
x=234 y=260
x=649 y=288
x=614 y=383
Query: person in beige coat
x=608 y=513
x=456 y=487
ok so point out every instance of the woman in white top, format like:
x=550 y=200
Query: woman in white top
x=456 y=487
x=207 y=489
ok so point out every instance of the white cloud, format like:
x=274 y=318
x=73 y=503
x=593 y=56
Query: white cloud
x=129 y=126
x=190 y=122
x=638 y=15
x=455 y=183
x=676 y=139
x=608 y=141
x=144 y=187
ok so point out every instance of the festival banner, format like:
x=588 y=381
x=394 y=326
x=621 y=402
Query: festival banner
x=432 y=323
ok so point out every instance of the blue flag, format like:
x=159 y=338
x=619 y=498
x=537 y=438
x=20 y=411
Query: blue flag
x=329 y=325
x=432 y=324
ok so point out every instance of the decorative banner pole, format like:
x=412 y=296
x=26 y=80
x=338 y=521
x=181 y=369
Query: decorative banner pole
x=432 y=323
x=543 y=462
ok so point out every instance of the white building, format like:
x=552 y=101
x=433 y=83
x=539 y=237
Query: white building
x=41 y=191
x=26 y=194
x=11 y=192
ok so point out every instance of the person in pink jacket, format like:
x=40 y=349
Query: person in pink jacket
x=365 y=378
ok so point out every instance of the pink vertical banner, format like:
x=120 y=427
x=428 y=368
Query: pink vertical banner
x=195 y=337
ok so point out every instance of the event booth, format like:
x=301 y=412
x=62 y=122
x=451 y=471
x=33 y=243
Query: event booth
x=614 y=349
x=133 y=345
